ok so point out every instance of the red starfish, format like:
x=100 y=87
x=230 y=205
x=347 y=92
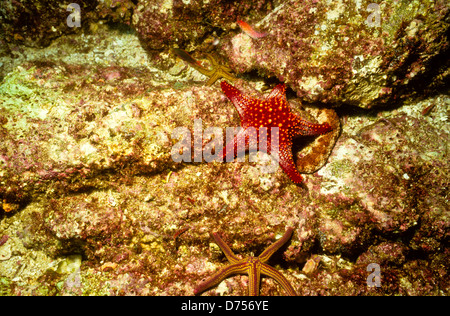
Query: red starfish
x=272 y=112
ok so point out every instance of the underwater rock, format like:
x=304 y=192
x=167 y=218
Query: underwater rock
x=352 y=52
x=340 y=52
x=162 y=25
x=364 y=54
x=54 y=139
x=69 y=265
x=37 y=23
x=388 y=177
x=5 y=252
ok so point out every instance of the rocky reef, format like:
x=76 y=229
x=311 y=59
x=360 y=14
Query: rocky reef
x=93 y=203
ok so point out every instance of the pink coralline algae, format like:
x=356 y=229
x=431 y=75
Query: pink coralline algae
x=161 y=25
x=4 y=239
x=328 y=52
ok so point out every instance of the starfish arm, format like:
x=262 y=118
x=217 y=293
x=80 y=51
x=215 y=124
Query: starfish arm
x=203 y=70
x=226 y=250
x=278 y=92
x=240 y=101
x=269 y=251
x=286 y=161
x=217 y=71
x=225 y=73
x=216 y=75
x=308 y=128
x=254 y=276
x=212 y=60
x=219 y=276
x=277 y=276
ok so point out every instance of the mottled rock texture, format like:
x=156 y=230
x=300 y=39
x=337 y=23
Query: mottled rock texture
x=92 y=203
x=332 y=52
x=37 y=23
x=356 y=52
x=337 y=52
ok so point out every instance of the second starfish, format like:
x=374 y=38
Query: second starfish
x=253 y=266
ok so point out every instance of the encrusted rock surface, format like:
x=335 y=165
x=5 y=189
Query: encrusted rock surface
x=349 y=51
x=92 y=203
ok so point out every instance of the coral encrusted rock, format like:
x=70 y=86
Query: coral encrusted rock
x=354 y=52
